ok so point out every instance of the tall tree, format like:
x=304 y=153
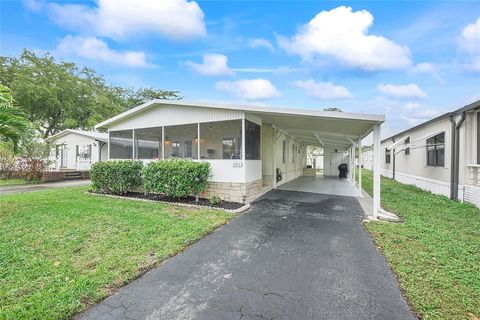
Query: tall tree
x=60 y=95
x=12 y=121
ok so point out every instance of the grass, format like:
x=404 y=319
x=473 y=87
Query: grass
x=435 y=252
x=62 y=250
x=12 y=182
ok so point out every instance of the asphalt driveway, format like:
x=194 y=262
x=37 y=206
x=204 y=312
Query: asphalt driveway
x=294 y=255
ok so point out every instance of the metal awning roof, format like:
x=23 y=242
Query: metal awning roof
x=312 y=127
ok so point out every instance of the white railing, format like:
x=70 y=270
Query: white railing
x=473 y=174
x=83 y=164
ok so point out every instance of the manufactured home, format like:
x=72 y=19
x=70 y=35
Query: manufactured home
x=441 y=155
x=76 y=149
x=251 y=149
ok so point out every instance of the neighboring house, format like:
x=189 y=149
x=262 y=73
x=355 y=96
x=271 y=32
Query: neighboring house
x=441 y=155
x=315 y=157
x=77 y=150
x=367 y=157
x=251 y=149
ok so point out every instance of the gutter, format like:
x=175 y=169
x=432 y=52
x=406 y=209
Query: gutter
x=452 y=157
x=456 y=159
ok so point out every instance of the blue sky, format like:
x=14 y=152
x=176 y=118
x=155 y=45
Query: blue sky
x=408 y=60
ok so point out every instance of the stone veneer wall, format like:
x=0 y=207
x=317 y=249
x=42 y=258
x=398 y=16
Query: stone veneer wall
x=235 y=191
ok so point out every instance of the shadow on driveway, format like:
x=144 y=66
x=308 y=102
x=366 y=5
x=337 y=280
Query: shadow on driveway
x=294 y=255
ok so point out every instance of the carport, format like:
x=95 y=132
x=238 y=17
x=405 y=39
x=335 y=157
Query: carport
x=335 y=132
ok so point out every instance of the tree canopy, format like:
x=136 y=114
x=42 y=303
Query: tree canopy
x=57 y=95
x=12 y=121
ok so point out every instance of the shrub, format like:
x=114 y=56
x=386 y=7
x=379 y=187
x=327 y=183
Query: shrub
x=214 y=200
x=30 y=169
x=176 y=178
x=116 y=177
x=7 y=163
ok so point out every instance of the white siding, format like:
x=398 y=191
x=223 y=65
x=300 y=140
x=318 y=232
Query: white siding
x=71 y=140
x=173 y=115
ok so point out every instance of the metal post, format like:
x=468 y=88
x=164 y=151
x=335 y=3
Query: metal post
x=108 y=146
x=360 y=164
x=134 y=152
x=163 y=142
x=376 y=169
x=198 y=140
x=353 y=163
x=274 y=160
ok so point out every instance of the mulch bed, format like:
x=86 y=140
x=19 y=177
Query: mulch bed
x=227 y=205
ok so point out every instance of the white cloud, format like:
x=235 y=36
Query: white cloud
x=212 y=65
x=252 y=89
x=402 y=91
x=176 y=19
x=343 y=34
x=470 y=43
x=323 y=90
x=96 y=49
x=33 y=5
x=261 y=43
x=470 y=36
x=429 y=69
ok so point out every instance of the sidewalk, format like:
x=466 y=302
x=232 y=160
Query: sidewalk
x=42 y=186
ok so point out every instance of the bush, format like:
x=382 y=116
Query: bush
x=214 y=200
x=116 y=177
x=30 y=169
x=7 y=163
x=176 y=178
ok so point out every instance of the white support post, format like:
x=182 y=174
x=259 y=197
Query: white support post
x=376 y=170
x=353 y=163
x=108 y=147
x=133 y=145
x=198 y=141
x=274 y=160
x=163 y=142
x=360 y=164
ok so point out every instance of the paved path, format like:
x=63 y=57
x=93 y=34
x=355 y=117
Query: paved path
x=42 y=186
x=294 y=255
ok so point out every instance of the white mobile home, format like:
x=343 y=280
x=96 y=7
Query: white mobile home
x=76 y=149
x=251 y=149
x=441 y=155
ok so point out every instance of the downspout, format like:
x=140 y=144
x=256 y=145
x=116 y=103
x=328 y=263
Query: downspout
x=452 y=157
x=457 y=155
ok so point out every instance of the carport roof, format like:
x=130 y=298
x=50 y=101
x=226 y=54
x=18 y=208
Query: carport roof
x=314 y=127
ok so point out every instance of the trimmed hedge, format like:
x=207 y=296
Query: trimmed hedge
x=116 y=177
x=176 y=178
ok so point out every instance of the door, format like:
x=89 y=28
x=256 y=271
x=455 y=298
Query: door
x=336 y=158
x=63 y=156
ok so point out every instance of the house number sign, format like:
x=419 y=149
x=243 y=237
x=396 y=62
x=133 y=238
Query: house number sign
x=238 y=164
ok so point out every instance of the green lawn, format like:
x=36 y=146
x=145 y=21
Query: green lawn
x=435 y=252
x=62 y=250
x=12 y=182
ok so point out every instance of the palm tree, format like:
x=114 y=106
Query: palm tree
x=12 y=121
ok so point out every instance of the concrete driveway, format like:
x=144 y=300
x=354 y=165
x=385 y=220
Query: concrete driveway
x=294 y=255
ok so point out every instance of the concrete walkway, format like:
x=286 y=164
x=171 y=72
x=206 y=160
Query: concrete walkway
x=294 y=255
x=42 y=186
x=321 y=184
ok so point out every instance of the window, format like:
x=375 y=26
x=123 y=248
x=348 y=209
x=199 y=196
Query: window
x=121 y=144
x=176 y=149
x=284 y=151
x=188 y=149
x=221 y=140
x=407 y=149
x=387 y=155
x=148 y=143
x=181 y=141
x=252 y=141
x=84 y=152
x=436 y=150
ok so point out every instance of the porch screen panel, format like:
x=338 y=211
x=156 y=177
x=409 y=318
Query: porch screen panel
x=221 y=140
x=478 y=137
x=121 y=144
x=252 y=140
x=148 y=143
x=181 y=141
